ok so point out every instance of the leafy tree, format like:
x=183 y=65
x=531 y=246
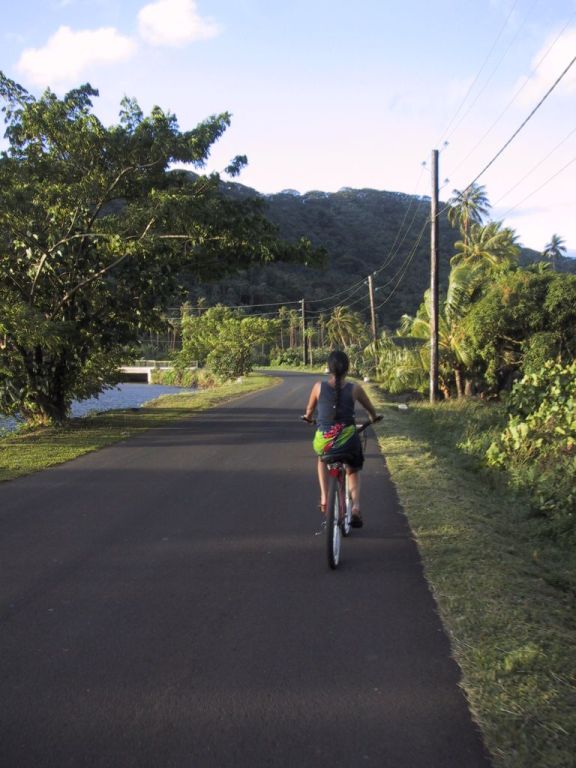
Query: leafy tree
x=224 y=340
x=524 y=319
x=94 y=233
x=555 y=250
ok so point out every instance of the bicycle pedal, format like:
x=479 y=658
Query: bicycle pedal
x=322 y=529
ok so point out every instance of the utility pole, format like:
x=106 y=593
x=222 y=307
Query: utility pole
x=372 y=309
x=434 y=280
x=304 y=350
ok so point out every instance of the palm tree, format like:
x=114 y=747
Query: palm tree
x=490 y=247
x=400 y=367
x=555 y=250
x=468 y=207
x=455 y=357
x=294 y=323
x=345 y=328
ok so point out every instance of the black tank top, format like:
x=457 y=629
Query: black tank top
x=326 y=402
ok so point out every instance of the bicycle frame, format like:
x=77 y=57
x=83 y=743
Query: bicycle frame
x=338 y=511
x=339 y=502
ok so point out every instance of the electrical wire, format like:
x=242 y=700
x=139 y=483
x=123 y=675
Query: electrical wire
x=407 y=264
x=446 y=133
x=490 y=76
x=568 y=164
x=394 y=250
x=523 y=124
x=535 y=168
x=352 y=290
x=396 y=277
x=515 y=96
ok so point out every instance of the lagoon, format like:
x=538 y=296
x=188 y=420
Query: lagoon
x=123 y=396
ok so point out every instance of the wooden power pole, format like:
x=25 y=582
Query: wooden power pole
x=434 y=281
x=372 y=308
x=304 y=349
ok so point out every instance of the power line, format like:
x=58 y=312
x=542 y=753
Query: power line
x=396 y=277
x=568 y=164
x=406 y=265
x=517 y=131
x=535 y=168
x=395 y=249
x=485 y=62
x=491 y=75
x=516 y=94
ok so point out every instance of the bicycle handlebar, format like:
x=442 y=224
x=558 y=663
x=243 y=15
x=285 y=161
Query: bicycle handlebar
x=360 y=426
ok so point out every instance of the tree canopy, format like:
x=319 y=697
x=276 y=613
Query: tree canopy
x=95 y=230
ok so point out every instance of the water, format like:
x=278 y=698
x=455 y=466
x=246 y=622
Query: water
x=122 y=396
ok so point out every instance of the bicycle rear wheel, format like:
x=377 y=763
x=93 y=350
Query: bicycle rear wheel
x=333 y=530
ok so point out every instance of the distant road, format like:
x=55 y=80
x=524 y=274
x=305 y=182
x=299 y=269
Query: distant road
x=165 y=604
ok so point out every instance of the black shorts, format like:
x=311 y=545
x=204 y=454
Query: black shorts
x=352 y=451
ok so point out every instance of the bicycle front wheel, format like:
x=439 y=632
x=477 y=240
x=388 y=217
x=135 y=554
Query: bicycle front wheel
x=333 y=530
x=347 y=507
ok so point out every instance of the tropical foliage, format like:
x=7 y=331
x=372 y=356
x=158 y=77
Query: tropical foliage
x=523 y=319
x=538 y=445
x=497 y=320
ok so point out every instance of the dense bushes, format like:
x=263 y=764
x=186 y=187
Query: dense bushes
x=538 y=446
x=185 y=377
x=224 y=340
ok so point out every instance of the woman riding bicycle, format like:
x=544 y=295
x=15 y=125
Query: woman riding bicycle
x=334 y=401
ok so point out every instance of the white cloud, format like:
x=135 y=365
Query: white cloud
x=174 y=23
x=548 y=65
x=68 y=54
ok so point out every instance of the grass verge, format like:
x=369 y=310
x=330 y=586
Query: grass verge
x=29 y=451
x=503 y=580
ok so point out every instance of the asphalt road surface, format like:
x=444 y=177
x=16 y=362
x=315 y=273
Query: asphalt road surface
x=165 y=603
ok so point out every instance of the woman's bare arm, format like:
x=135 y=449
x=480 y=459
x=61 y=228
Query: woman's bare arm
x=360 y=395
x=312 y=401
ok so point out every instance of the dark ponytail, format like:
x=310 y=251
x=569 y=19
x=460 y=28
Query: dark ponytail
x=338 y=365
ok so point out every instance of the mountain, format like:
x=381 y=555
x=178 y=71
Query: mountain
x=364 y=231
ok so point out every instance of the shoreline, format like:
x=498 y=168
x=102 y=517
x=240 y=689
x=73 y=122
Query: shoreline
x=25 y=451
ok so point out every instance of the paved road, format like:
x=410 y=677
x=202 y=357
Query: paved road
x=166 y=604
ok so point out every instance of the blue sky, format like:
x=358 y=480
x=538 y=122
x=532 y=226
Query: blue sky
x=328 y=94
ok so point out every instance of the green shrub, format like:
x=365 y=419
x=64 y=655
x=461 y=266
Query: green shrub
x=282 y=357
x=538 y=445
x=185 y=377
x=230 y=360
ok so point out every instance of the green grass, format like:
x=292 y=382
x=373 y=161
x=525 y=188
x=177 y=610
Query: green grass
x=29 y=451
x=503 y=580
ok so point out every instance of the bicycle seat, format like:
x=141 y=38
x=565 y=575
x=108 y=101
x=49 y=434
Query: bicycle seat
x=333 y=458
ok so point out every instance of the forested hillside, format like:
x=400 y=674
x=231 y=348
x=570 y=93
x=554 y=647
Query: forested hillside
x=363 y=231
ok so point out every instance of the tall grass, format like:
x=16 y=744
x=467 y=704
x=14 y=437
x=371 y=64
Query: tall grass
x=503 y=581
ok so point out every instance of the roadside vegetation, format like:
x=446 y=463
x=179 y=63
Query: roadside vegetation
x=33 y=449
x=503 y=575
x=96 y=230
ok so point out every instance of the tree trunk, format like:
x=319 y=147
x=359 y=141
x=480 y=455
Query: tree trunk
x=46 y=402
x=459 y=384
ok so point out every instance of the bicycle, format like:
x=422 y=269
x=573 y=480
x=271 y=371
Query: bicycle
x=339 y=500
